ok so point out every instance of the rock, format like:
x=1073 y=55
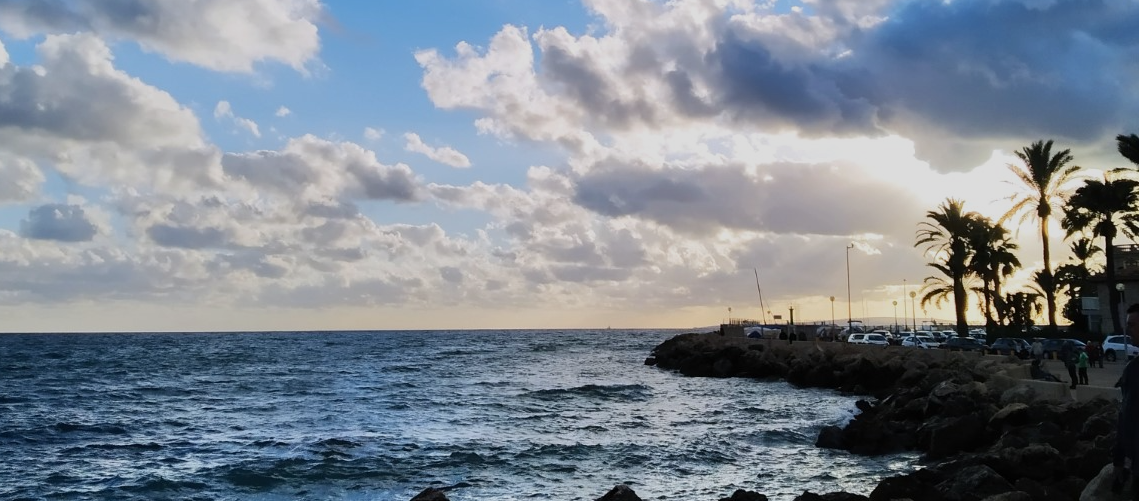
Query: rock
x=1010 y=496
x=1018 y=394
x=1038 y=462
x=831 y=496
x=1099 y=488
x=621 y=492
x=953 y=435
x=974 y=483
x=1013 y=414
x=651 y=361
x=830 y=437
x=430 y=494
x=742 y=495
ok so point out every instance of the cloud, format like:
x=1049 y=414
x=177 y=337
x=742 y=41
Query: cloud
x=224 y=110
x=59 y=222
x=76 y=112
x=22 y=180
x=869 y=69
x=372 y=134
x=240 y=32
x=283 y=112
x=316 y=169
x=444 y=155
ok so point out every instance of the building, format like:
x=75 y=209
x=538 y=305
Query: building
x=1123 y=291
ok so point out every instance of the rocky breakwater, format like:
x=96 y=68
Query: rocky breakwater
x=983 y=435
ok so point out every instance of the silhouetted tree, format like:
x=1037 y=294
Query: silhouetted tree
x=1044 y=175
x=1129 y=147
x=945 y=233
x=992 y=260
x=1103 y=208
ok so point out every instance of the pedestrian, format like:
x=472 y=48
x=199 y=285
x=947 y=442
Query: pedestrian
x=1082 y=367
x=1127 y=431
x=1099 y=353
x=1068 y=357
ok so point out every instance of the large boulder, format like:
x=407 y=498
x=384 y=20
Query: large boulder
x=621 y=492
x=430 y=494
x=742 y=495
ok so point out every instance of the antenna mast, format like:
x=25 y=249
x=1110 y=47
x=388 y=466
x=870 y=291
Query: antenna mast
x=762 y=310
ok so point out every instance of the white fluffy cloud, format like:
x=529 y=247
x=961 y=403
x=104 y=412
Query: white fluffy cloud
x=223 y=110
x=95 y=123
x=223 y=35
x=443 y=154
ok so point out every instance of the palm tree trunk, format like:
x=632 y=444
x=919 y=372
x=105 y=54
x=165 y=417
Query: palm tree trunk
x=988 y=301
x=1049 y=289
x=960 y=303
x=1109 y=273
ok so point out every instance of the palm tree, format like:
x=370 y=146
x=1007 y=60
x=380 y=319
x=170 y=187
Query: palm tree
x=992 y=261
x=1129 y=147
x=1074 y=275
x=945 y=234
x=1103 y=208
x=1044 y=175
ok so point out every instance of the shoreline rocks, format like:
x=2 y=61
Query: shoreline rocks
x=982 y=435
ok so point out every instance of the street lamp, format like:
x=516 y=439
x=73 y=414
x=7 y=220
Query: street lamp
x=905 y=315
x=849 y=315
x=1119 y=288
x=913 y=309
x=832 y=311
x=896 y=316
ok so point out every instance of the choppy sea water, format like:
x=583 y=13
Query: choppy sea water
x=501 y=415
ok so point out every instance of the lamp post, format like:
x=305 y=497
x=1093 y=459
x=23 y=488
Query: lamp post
x=849 y=315
x=896 y=316
x=832 y=311
x=905 y=314
x=1119 y=288
x=913 y=309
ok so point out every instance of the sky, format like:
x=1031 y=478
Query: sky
x=229 y=165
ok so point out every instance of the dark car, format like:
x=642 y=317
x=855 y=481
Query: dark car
x=1052 y=346
x=958 y=343
x=1011 y=346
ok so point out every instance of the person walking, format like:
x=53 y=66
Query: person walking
x=1068 y=357
x=1126 y=448
x=1082 y=367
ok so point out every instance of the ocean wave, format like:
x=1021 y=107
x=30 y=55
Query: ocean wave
x=108 y=429
x=615 y=392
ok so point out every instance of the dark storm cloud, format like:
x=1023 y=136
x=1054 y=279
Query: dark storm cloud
x=755 y=85
x=802 y=199
x=59 y=222
x=980 y=68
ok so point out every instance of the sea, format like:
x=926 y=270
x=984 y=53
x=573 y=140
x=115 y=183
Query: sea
x=489 y=415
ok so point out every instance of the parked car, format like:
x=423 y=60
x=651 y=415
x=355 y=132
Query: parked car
x=868 y=338
x=915 y=342
x=1052 y=346
x=957 y=343
x=931 y=342
x=1114 y=346
x=1011 y=346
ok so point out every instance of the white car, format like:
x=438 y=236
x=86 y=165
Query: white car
x=1114 y=346
x=915 y=342
x=871 y=338
x=929 y=342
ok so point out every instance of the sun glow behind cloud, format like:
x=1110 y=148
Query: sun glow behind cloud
x=632 y=172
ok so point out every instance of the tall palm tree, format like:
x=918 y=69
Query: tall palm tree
x=992 y=260
x=1044 y=175
x=945 y=233
x=1129 y=147
x=1103 y=208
